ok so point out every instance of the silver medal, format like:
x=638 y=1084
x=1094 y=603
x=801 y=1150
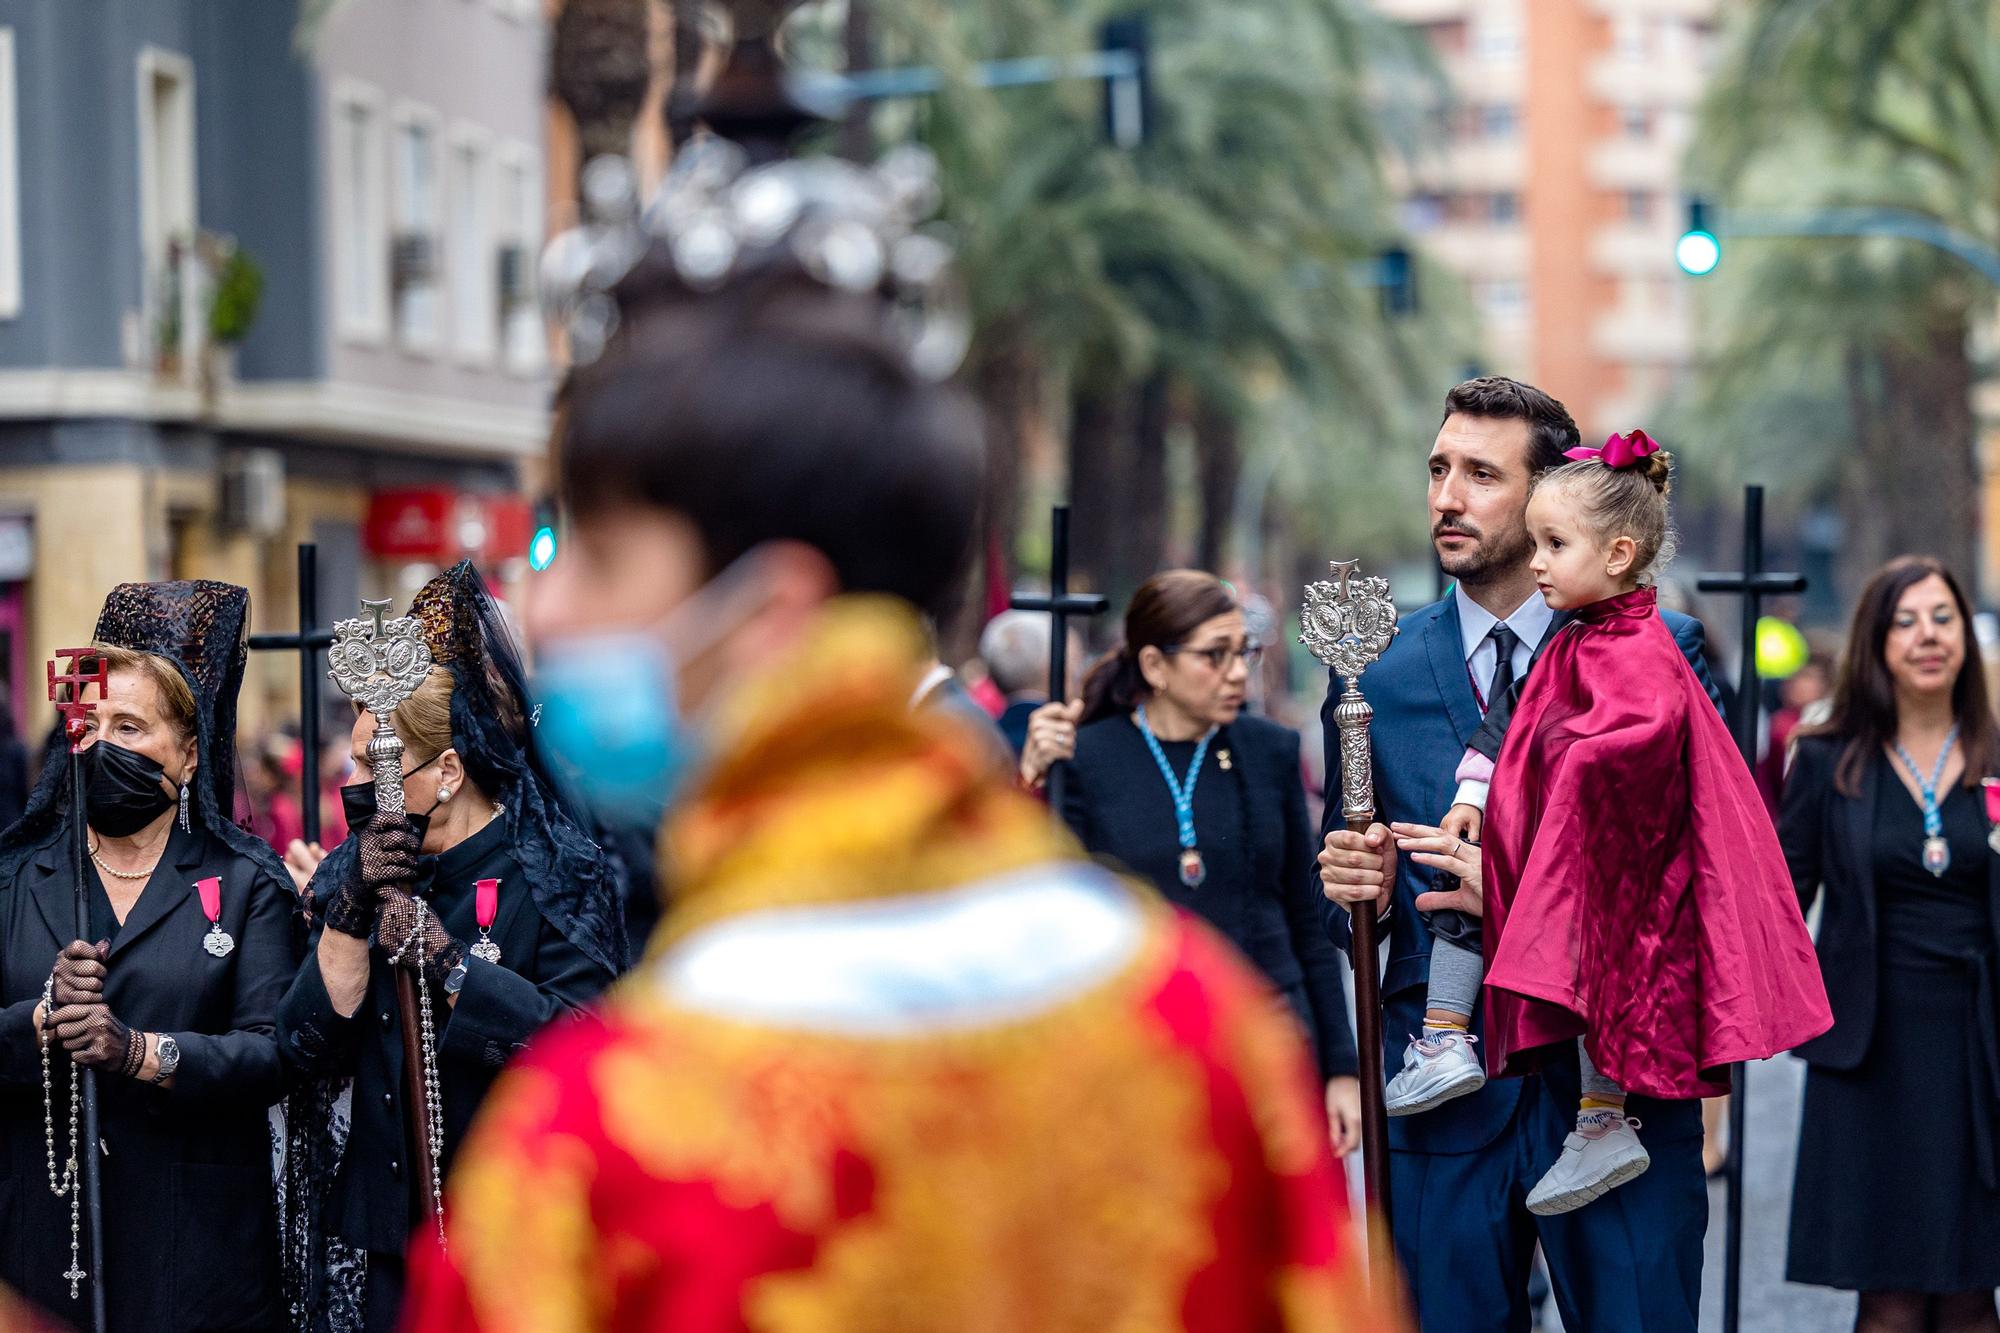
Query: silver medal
x=217 y=941
x=486 y=951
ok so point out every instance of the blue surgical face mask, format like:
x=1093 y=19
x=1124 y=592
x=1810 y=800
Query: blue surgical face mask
x=612 y=725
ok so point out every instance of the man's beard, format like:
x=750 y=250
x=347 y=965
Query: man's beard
x=1487 y=559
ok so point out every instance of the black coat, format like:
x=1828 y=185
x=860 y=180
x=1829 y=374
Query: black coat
x=1259 y=844
x=190 y=1228
x=540 y=977
x=1829 y=841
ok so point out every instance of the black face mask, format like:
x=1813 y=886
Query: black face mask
x=124 y=789
x=357 y=802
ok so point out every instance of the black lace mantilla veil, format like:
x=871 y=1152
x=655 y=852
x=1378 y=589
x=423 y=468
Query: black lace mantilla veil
x=200 y=626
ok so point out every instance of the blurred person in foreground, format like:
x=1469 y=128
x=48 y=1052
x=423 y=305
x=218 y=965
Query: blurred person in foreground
x=172 y=1000
x=900 y=1057
x=522 y=925
x=1890 y=811
x=1171 y=779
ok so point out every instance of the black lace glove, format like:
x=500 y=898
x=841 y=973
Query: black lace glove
x=95 y=1038
x=79 y=975
x=434 y=951
x=389 y=847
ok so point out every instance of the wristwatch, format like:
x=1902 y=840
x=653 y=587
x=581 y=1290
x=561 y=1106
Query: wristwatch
x=170 y=1058
x=454 y=980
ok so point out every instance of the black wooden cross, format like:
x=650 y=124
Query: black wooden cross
x=308 y=643
x=1753 y=584
x=1061 y=604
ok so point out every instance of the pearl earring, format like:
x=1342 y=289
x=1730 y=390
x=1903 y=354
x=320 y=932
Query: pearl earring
x=444 y=793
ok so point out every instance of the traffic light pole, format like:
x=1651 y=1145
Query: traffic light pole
x=1719 y=225
x=1123 y=66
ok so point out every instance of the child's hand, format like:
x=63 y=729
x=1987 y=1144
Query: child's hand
x=1464 y=821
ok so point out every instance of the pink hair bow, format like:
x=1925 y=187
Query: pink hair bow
x=1620 y=451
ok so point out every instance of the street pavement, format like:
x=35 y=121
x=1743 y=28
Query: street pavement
x=1770 y=1304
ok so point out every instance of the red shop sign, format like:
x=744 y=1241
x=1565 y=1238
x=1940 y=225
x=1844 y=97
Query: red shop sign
x=410 y=525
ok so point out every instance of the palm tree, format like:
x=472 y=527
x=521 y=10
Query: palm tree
x=600 y=70
x=1866 y=341
x=1139 y=298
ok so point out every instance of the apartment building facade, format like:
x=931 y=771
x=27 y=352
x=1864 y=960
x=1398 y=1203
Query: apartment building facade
x=1553 y=187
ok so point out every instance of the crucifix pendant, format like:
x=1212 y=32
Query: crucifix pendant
x=1193 y=872
x=1937 y=855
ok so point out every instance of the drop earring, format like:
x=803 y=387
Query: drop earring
x=184 y=808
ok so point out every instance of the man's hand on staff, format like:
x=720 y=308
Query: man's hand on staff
x=1358 y=867
x=1439 y=850
x=1051 y=740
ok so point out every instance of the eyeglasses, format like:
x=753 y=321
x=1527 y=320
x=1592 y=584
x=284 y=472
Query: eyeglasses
x=1220 y=658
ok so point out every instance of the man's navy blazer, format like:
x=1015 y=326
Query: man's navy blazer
x=1425 y=716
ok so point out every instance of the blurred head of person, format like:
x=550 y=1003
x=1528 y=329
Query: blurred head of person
x=1910 y=652
x=1015 y=648
x=1498 y=436
x=1808 y=685
x=743 y=450
x=1186 y=658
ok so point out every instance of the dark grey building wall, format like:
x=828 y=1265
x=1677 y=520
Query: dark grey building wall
x=257 y=127
x=77 y=70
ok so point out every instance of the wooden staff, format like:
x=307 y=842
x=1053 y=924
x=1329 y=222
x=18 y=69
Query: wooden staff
x=1348 y=623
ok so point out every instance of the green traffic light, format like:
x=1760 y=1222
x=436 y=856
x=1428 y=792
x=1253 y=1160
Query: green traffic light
x=1698 y=252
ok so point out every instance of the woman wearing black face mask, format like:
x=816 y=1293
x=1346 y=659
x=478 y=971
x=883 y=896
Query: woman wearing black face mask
x=522 y=926
x=172 y=1001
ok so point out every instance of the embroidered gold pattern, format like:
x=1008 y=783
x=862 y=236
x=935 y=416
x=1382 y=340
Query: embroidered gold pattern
x=1113 y=1116
x=520 y=1220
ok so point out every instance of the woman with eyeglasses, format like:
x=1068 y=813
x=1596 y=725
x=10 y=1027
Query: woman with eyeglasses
x=1169 y=778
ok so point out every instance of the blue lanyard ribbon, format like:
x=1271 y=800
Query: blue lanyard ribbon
x=1183 y=792
x=1933 y=820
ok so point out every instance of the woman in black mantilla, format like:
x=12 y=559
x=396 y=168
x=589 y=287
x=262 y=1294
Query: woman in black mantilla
x=1898 y=1190
x=1170 y=779
x=524 y=927
x=174 y=1002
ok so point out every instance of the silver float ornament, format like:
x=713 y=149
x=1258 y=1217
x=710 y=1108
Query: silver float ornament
x=380 y=663
x=1348 y=623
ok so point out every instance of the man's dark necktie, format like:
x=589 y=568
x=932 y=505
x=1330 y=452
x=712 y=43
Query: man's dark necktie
x=1506 y=641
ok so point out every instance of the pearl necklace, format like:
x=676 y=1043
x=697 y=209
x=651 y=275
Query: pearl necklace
x=147 y=873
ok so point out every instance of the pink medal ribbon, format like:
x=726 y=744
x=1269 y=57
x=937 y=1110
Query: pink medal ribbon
x=1991 y=788
x=486 y=906
x=217 y=941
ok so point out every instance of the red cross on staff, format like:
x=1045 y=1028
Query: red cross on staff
x=76 y=709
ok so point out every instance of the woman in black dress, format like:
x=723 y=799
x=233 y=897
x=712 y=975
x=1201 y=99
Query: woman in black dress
x=1898 y=1191
x=522 y=926
x=173 y=1001
x=1169 y=778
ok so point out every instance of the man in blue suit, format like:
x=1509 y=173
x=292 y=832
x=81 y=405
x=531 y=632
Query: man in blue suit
x=1459 y=1174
